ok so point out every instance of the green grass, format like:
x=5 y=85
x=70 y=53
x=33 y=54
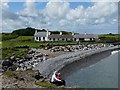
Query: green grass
x=115 y=36
x=25 y=38
x=18 y=52
x=9 y=47
x=32 y=44
x=15 y=43
x=110 y=38
x=46 y=84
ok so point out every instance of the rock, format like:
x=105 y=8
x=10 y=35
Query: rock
x=12 y=57
x=39 y=55
x=13 y=67
x=6 y=65
x=28 y=57
x=31 y=51
x=37 y=77
x=17 y=59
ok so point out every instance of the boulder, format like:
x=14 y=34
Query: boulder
x=13 y=68
x=39 y=55
x=28 y=57
x=31 y=51
x=6 y=64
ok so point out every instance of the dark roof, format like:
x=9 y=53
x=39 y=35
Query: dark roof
x=40 y=34
x=86 y=36
x=60 y=36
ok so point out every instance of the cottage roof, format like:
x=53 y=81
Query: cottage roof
x=86 y=36
x=40 y=34
x=60 y=36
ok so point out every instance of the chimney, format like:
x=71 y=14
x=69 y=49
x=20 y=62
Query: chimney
x=73 y=33
x=60 y=33
x=47 y=33
x=35 y=32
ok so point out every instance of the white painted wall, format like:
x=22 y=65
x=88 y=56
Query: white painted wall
x=56 y=39
x=77 y=39
x=46 y=39
x=87 y=39
x=36 y=39
x=42 y=39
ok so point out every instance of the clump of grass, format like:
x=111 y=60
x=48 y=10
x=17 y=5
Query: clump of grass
x=46 y=84
x=20 y=53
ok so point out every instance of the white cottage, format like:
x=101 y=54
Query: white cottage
x=41 y=36
x=47 y=36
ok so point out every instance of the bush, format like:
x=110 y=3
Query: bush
x=8 y=36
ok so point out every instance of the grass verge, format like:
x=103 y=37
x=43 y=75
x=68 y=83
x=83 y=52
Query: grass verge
x=46 y=84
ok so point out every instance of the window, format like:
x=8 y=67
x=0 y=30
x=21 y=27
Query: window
x=66 y=39
x=81 y=39
x=39 y=38
x=91 y=39
x=74 y=39
x=43 y=38
x=36 y=38
x=53 y=39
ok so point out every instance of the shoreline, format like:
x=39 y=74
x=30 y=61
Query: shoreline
x=46 y=68
x=55 y=63
x=94 y=69
x=83 y=63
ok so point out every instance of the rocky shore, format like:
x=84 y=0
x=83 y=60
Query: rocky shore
x=35 y=56
x=46 y=61
x=47 y=67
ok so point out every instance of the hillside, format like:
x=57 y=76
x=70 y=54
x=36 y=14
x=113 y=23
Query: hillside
x=30 y=31
x=110 y=38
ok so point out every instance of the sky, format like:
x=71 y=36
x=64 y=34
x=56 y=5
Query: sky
x=80 y=17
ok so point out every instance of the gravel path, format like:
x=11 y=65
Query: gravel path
x=46 y=68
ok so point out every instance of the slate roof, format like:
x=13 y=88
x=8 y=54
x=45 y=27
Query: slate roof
x=60 y=36
x=40 y=34
x=86 y=36
x=44 y=34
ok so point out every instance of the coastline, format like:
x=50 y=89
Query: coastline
x=46 y=68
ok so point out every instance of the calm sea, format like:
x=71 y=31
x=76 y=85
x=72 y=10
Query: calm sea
x=101 y=73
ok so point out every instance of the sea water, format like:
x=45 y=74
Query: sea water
x=102 y=74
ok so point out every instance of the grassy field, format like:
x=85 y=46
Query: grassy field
x=19 y=53
x=25 y=38
x=32 y=44
x=114 y=36
x=9 y=47
x=110 y=38
x=15 y=43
